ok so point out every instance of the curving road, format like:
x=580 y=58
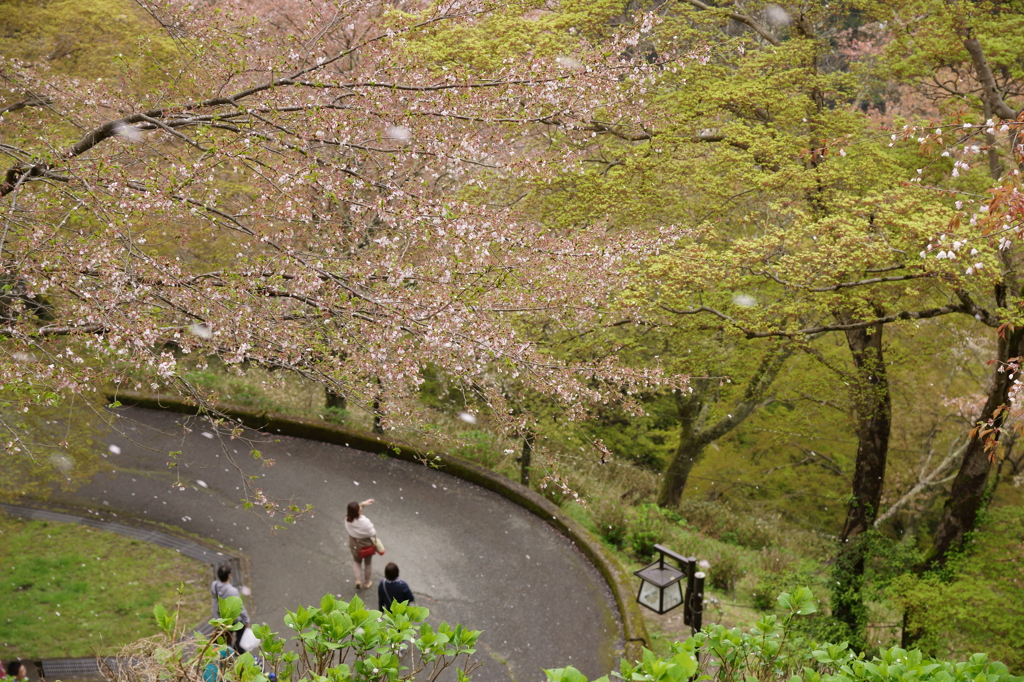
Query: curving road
x=469 y=555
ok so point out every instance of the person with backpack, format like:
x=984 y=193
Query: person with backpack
x=393 y=589
x=221 y=588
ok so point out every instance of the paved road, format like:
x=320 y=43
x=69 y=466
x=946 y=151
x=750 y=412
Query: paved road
x=469 y=555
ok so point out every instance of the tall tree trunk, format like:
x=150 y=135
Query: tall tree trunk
x=695 y=434
x=873 y=424
x=687 y=454
x=968 y=493
x=377 y=426
x=525 y=457
x=690 y=448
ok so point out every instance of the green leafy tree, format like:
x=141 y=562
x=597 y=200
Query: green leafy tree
x=965 y=59
x=804 y=219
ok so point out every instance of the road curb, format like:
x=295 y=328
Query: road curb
x=634 y=631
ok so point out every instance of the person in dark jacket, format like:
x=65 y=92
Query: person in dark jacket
x=16 y=671
x=392 y=589
x=221 y=588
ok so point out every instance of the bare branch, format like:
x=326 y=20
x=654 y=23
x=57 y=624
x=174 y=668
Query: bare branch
x=925 y=481
x=862 y=324
x=743 y=18
x=844 y=285
x=34 y=101
x=51 y=330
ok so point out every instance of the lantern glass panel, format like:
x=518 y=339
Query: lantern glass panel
x=650 y=596
x=673 y=596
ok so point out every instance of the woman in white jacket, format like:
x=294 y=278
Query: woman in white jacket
x=360 y=534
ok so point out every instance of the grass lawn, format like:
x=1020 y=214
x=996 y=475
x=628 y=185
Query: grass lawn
x=67 y=590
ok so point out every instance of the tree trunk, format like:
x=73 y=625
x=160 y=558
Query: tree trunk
x=695 y=434
x=689 y=407
x=687 y=454
x=333 y=400
x=873 y=424
x=525 y=457
x=968 y=493
x=377 y=426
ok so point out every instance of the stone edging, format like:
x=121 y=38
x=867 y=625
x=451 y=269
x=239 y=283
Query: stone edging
x=634 y=631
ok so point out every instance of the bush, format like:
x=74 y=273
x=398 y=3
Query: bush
x=394 y=643
x=771 y=652
x=645 y=529
x=978 y=602
x=726 y=570
x=401 y=646
x=765 y=589
x=611 y=520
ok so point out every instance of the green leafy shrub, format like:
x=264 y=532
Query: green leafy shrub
x=765 y=589
x=726 y=570
x=977 y=601
x=611 y=520
x=344 y=641
x=645 y=529
x=770 y=652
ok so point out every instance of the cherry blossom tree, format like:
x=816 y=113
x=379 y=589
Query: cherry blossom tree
x=293 y=195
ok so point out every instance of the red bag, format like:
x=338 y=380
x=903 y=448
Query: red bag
x=366 y=552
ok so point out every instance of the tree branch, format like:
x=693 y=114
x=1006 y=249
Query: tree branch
x=844 y=285
x=974 y=311
x=33 y=102
x=743 y=18
x=925 y=481
x=758 y=385
x=51 y=330
x=988 y=82
x=979 y=313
